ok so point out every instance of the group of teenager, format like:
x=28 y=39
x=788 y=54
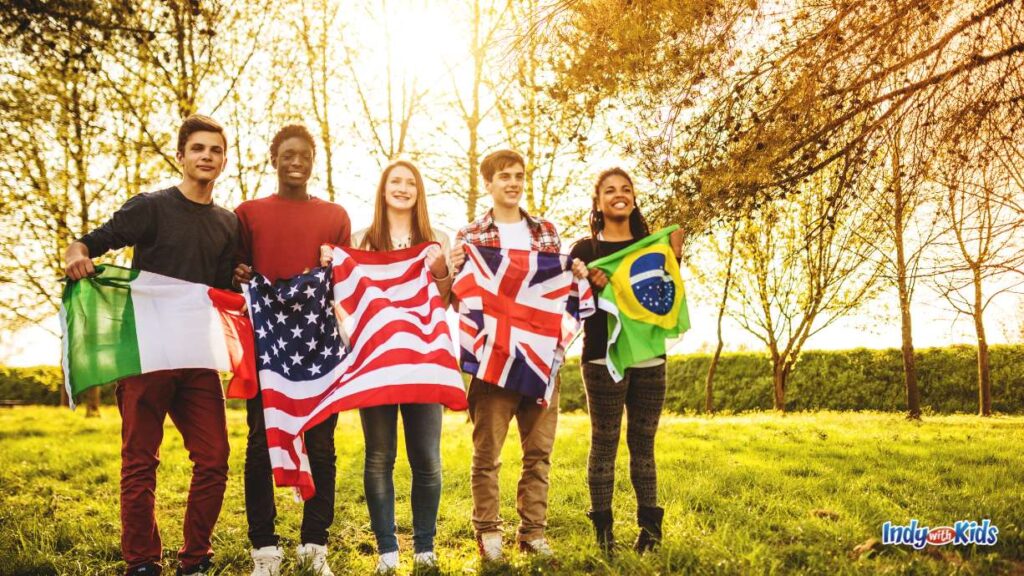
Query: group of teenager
x=181 y=232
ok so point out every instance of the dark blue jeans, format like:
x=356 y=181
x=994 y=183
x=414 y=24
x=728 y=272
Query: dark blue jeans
x=422 y=423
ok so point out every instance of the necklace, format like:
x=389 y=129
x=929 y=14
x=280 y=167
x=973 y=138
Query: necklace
x=402 y=242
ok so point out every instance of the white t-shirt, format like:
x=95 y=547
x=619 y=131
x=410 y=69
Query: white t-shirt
x=514 y=235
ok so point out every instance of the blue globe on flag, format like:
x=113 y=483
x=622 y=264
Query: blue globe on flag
x=652 y=285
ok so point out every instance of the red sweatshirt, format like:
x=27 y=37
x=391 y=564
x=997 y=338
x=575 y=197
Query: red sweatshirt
x=280 y=238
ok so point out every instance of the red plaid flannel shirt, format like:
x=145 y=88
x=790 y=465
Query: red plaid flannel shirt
x=484 y=232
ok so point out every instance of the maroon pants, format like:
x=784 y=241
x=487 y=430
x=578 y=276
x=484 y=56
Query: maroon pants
x=195 y=401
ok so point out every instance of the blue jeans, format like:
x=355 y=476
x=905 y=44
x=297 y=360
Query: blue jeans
x=422 y=423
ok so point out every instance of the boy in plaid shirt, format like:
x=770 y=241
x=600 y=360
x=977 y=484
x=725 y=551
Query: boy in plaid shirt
x=492 y=408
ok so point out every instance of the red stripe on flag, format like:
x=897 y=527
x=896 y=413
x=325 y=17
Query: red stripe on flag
x=535 y=358
x=559 y=293
x=297 y=407
x=380 y=304
x=385 y=257
x=343 y=275
x=380 y=337
x=238 y=335
x=448 y=396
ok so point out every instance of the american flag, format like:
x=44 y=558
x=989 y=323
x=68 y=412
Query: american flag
x=392 y=347
x=518 y=311
x=298 y=352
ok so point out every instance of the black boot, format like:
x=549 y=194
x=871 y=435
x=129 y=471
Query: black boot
x=649 y=520
x=603 y=528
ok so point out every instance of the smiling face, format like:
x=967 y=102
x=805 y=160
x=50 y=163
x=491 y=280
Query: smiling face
x=400 y=189
x=203 y=157
x=615 y=197
x=506 y=187
x=294 y=162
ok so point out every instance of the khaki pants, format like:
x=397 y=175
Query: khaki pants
x=491 y=409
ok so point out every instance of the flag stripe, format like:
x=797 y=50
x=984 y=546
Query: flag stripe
x=101 y=333
x=297 y=407
x=294 y=391
x=434 y=379
x=171 y=310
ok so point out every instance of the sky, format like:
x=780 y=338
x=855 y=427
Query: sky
x=426 y=44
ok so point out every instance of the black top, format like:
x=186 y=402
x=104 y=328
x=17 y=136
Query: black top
x=173 y=236
x=595 y=328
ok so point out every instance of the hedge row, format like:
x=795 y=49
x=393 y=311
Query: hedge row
x=39 y=385
x=859 y=379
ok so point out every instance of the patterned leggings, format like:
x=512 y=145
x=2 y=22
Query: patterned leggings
x=642 y=393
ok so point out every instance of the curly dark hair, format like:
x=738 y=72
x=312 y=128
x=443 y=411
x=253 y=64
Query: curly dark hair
x=291 y=131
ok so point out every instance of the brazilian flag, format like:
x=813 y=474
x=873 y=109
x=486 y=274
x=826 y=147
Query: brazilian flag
x=644 y=300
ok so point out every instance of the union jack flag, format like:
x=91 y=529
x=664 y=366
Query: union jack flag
x=518 y=311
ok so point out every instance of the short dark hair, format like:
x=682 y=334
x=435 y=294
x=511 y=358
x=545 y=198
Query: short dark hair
x=291 y=131
x=499 y=160
x=198 y=123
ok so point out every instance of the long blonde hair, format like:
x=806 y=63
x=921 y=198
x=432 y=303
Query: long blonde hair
x=378 y=236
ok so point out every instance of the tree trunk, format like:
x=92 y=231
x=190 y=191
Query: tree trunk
x=92 y=403
x=709 y=398
x=473 y=122
x=906 y=325
x=909 y=365
x=984 y=377
x=473 y=163
x=779 y=377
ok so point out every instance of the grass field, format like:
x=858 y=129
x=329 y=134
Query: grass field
x=752 y=494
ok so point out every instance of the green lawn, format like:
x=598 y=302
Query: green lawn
x=747 y=494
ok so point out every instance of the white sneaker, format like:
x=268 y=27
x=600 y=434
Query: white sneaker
x=489 y=545
x=266 y=561
x=425 y=559
x=387 y=563
x=539 y=546
x=314 y=556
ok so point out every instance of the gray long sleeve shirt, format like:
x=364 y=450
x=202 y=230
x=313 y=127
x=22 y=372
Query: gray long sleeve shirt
x=172 y=236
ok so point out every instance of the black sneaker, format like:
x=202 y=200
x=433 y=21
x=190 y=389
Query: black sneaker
x=201 y=569
x=144 y=570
